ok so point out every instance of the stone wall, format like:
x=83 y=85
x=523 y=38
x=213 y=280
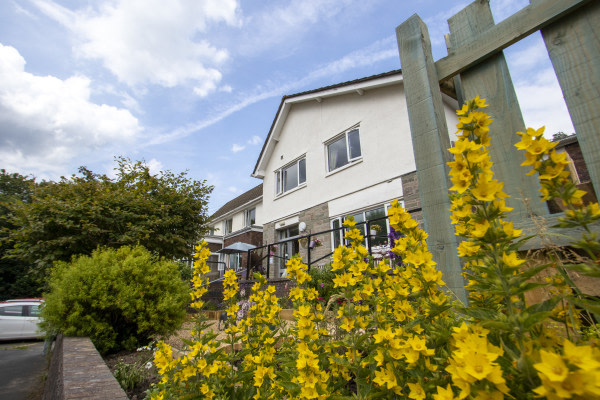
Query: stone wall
x=77 y=371
x=412 y=199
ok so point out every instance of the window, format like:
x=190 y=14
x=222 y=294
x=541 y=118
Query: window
x=211 y=230
x=227 y=226
x=343 y=150
x=250 y=216
x=369 y=215
x=290 y=176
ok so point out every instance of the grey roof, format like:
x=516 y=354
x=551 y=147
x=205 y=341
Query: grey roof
x=242 y=199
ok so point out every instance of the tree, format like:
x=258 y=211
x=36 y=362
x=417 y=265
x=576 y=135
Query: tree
x=15 y=280
x=120 y=298
x=165 y=212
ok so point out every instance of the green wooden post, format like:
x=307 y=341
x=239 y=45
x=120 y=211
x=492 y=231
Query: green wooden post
x=574 y=47
x=491 y=80
x=430 y=143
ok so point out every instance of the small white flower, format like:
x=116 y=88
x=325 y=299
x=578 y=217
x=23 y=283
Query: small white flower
x=148 y=365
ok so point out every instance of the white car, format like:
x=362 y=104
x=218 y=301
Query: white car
x=19 y=319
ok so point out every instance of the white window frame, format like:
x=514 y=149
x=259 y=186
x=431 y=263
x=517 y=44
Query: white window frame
x=279 y=175
x=247 y=214
x=336 y=139
x=363 y=211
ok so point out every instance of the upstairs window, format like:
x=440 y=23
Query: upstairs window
x=250 y=216
x=343 y=150
x=290 y=176
x=227 y=226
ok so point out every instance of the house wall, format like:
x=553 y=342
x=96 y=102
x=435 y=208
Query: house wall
x=238 y=219
x=386 y=148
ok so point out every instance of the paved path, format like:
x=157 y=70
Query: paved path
x=21 y=368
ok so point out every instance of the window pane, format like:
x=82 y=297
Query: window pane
x=302 y=170
x=337 y=154
x=381 y=237
x=354 y=143
x=11 y=311
x=290 y=177
x=337 y=235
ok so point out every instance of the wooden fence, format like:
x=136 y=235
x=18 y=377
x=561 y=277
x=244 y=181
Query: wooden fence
x=571 y=31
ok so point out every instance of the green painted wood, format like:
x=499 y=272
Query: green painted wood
x=430 y=141
x=573 y=44
x=521 y=24
x=490 y=79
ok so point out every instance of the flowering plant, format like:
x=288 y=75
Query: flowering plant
x=315 y=243
x=390 y=331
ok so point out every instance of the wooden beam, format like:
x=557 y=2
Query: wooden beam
x=516 y=27
x=429 y=134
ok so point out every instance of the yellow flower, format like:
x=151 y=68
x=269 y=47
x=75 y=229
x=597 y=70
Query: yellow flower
x=552 y=367
x=480 y=228
x=466 y=249
x=444 y=394
x=487 y=190
x=385 y=377
x=542 y=145
x=511 y=259
x=416 y=391
x=462 y=146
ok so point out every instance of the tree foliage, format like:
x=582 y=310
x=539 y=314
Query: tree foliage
x=15 y=281
x=120 y=298
x=165 y=213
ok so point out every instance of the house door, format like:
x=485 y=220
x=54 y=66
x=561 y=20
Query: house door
x=288 y=249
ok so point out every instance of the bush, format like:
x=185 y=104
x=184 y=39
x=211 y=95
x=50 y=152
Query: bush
x=120 y=298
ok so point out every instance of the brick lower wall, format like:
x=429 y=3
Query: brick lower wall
x=77 y=371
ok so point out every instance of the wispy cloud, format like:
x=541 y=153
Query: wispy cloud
x=236 y=148
x=255 y=140
x=376 y=52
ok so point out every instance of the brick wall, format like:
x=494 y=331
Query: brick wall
x=78 y=372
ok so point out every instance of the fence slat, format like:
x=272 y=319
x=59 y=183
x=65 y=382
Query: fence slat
x=516 y=27
x=491 y=80
x=430 y=141
x=573 y=44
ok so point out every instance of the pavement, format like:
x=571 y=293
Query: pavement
x=22 y=370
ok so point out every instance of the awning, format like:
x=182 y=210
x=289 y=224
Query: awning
x=237 y=247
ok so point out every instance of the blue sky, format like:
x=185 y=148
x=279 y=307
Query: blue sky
x=194 y=85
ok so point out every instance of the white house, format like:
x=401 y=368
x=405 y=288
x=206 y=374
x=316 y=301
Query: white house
x=340 y=150
x=239 y=220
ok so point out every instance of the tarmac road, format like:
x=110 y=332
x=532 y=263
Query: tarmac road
x=22 y=366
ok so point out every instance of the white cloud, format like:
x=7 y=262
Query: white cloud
x=233 y=189
x=47 y=122
x=255 y=140
x=236 y=148
x=151 y=41
x=155 y=166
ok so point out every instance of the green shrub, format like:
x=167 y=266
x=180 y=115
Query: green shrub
x=120 y=298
